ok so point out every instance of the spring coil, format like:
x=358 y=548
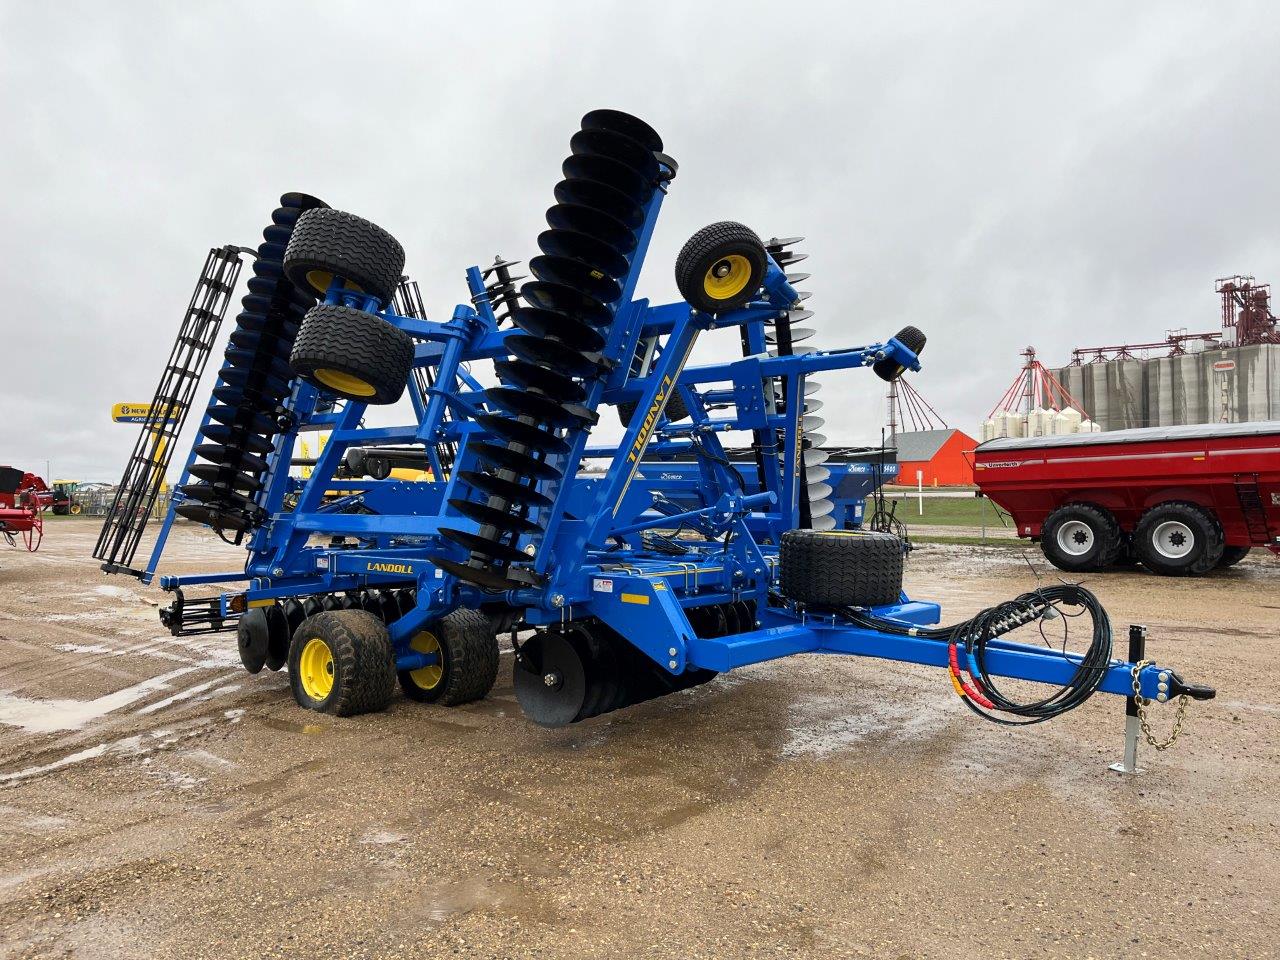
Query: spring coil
x=588 y=254
x=254 y=380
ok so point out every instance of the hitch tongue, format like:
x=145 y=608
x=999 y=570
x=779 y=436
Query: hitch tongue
x=1196 y=691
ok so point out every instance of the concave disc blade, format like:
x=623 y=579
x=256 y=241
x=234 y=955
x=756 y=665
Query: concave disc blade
x=819 y=491
x=488 y=548
x=601 y=197
x=245 y=417
x=820 y=508
x=814 y=456
x=827 y=522
x=550 y=680
x=614 y=173
x=618 y=147
x=532 y=405
x=817 y=474
x=236 y=437
x=486 y=577
x=552 y=353
x=584 y=247
x=217 y=473
x=507 y=459
x=556 y=325
x=525 y=434
x=239 y=459
x=624 y=123
x=531 y=376
x=577 y=275
x=492 y=516
x=509 y=490
x=560 y=298
x=595 y=222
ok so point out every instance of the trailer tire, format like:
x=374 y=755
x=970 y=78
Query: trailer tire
x=353 y=354
x=326 y=243
x=1080 y=538
x=341 y=662
x=1231 y=556
x=889 y=369
x=674 y=409
x=468 y=647
x=1178 y=539
x=841 y=568
x=721 y=267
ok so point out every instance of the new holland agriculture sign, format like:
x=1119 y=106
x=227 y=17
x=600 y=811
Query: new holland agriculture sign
x=141 y=412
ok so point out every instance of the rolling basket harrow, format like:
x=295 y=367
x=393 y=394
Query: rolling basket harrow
x=621 y=592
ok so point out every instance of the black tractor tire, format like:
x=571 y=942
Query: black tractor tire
x=841 y=568
x=360 y=663
x=1231 y=556
x=468 y=647
x=721 y=267
x=1081 y=537
x=1178 y=539
x=675 y=410
x=353 y=354
x=889 y=369
x=329 y=243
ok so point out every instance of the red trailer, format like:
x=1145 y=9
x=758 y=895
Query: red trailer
x=23 y=497
x=1178 y=500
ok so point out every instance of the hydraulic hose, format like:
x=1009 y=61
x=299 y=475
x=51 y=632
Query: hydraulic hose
x=969 y=641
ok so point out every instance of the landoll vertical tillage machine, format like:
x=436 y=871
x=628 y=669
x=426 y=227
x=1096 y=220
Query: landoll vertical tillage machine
x=620 y=593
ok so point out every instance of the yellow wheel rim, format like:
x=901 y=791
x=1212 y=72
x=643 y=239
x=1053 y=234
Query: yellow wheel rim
x=727 y=277
x=315 y=669
x=345 y=382
x=428 y=677
x=75 y=508
x=321 y=279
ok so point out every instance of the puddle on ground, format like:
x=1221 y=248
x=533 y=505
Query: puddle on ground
x=291 y=726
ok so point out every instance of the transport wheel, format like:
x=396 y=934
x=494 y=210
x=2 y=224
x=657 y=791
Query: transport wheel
x=1231 y=556
x=75 y=509
x=1080 y=537
x=352 y=354
x=675 y=410
x=329 y=243
x=841 y=568
x=721 y=267
x=889 y=369
x=467 y=647
x=1178 y=539
x=341 y=662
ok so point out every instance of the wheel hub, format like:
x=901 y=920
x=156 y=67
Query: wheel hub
x=1075 y=537
x=1173 y=539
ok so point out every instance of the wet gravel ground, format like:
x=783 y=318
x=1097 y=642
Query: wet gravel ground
x=156 y=801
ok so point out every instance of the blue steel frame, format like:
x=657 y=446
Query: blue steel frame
x=590 y=555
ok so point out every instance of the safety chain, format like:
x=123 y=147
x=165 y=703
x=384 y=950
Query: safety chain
x=1178 y=719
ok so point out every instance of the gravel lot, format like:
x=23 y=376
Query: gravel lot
x=156 y=801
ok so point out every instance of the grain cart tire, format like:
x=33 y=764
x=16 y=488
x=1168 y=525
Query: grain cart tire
x=889 y=369
x=841 y=568
x=1081 y=537
x=721 y=267
x=1178 y=539
x=468 y=649
x=352 y=354
x=1231 y=556
x=329 y=243
x=342 y=662
x=675 y=410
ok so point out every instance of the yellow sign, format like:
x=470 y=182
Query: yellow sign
x=141 y=412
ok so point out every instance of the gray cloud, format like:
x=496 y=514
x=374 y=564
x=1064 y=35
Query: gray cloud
x=997 y=174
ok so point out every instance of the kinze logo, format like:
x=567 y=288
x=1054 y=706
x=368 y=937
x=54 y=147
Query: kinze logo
x=650 y=420
x=389 y=568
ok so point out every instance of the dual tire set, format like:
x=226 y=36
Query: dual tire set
x=341 y=660
x=1175 y=538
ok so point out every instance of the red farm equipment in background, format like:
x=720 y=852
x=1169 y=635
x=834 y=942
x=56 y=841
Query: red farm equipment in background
x=1179 y=500
x=23 y=499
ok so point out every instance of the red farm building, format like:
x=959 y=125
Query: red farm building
x=938 y=454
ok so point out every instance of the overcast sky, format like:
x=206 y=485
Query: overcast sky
x=997 y=174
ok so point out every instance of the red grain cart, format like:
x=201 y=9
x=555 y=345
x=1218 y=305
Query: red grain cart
x=23 y=497
x=1178 y=500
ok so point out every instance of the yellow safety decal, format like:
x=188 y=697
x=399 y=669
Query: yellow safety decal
x=261 y=603
x=639 y=598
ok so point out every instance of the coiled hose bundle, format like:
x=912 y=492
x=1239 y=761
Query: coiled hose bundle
x=970 y=641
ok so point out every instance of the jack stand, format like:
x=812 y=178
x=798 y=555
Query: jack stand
x=1132 y=725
